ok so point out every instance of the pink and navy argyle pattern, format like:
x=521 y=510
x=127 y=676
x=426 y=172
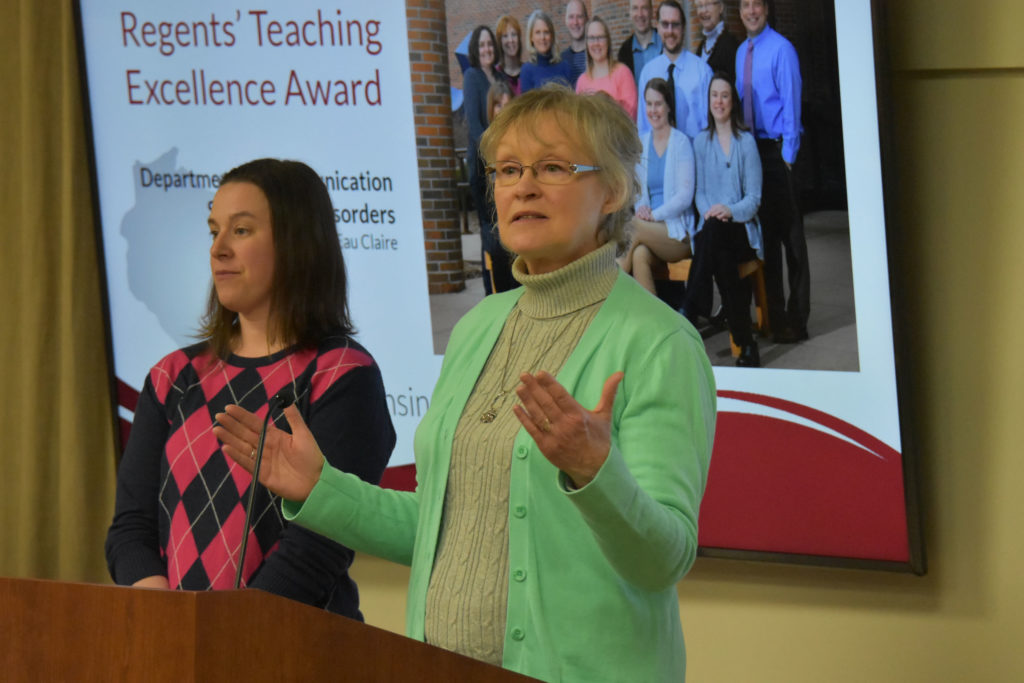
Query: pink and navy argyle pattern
x=203 y=493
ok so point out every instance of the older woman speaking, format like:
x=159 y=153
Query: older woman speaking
x=546 y=535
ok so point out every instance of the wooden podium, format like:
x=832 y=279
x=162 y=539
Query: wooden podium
x=55 y=631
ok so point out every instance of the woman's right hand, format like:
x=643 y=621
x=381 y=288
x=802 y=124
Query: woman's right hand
x=644 y=213
x=156 y=581
x=292 y=463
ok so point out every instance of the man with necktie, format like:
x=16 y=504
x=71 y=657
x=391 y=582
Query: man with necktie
x=769 y=84
x=687 y=75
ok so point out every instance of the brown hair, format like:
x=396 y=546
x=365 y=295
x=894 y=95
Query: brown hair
x=660 y=85
x=309 y=298
x=474 y=46
x=736 y=115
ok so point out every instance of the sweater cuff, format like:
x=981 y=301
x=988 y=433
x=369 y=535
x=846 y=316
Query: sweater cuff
x=133 y=565
x=323 y=492
x=608 y=492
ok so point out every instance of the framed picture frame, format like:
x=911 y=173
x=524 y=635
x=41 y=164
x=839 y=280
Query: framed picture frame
x=813 y=460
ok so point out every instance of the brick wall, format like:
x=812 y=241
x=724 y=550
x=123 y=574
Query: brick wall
x=428 y=57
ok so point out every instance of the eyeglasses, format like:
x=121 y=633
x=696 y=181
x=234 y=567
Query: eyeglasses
x=546 y=171
x=671 y=25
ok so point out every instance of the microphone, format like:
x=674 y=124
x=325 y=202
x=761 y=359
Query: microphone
x=280 y=401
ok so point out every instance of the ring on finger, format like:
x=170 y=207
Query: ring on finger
x=545 y=426
x=252 y=454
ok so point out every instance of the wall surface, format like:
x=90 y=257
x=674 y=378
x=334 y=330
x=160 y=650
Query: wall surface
x=957 y=99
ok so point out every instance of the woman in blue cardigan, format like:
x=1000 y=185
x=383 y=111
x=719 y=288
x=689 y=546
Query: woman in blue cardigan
x=662 y=230
x=544 y=64
x=728 y=196
x=561 y=464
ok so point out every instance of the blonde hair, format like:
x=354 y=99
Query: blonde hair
x=596 y=124
x=535 y=16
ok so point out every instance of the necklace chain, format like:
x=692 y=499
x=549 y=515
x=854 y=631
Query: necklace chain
x=491 y=413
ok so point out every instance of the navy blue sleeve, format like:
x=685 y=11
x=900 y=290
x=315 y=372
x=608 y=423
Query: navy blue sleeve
x=133 y=540
x=474 y=100
x=352 y=426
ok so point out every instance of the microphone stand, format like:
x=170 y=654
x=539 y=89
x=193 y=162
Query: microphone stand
x=283 y=402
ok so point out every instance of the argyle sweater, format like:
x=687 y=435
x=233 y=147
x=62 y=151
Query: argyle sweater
x=181 y=502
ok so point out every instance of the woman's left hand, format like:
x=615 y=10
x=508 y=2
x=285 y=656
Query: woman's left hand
x=719 y=211
x=574 y=439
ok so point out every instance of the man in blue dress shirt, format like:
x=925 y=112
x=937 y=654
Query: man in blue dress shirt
x=768 y=81
x=690 y=76
x=644 y=44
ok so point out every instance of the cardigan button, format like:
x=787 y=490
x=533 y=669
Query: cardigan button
x=518 y=634
x=519 y=511
x=519 y=575
x=521 y=452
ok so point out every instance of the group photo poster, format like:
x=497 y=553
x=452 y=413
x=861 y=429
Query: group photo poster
x=808 y=457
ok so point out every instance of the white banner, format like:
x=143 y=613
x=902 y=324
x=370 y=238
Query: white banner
x=182 y=92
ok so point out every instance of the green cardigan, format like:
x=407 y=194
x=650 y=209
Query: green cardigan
x=592 y=572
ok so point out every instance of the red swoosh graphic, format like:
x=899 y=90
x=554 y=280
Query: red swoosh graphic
x=867 y=441
x=779 y=486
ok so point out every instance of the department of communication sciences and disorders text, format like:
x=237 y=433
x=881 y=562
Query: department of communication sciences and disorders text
x=346 y=213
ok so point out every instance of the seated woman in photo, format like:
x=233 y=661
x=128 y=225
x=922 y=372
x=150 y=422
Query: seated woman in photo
x=544 y=64
x=604 y=73
x=728 y=196
x=664 y=222
x=277 y=319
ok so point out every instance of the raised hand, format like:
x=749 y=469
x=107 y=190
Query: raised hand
x=292 y=463
x=574 y=439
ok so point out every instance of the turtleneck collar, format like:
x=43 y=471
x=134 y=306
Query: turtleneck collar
x=579 y=284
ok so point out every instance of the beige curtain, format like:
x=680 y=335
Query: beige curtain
x=56 y=436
